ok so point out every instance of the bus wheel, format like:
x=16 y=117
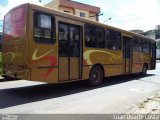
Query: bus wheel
x=144 y=70
x=96 y=76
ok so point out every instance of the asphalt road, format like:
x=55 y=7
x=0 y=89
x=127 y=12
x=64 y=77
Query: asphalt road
x=116 y=95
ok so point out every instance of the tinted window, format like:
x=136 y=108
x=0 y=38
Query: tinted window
x=113 y=40
x=135 y=45
x=63 y=40
x=146 y=46
x=94 y=36
x=82 y=14
x=69 y=38
x=44 y=31
x=138 y=45
x=74 y=41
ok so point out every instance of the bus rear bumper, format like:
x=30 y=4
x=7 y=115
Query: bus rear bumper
x=16 y=74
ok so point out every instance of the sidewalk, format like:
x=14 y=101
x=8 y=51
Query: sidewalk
x=149 y=106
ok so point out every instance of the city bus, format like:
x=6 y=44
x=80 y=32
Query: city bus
x=46 y=45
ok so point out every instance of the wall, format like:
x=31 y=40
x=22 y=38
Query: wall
x=77 y=12
x=54 y=4
x=93 y=18
x=71 y=10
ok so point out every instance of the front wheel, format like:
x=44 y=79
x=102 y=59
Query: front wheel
x=144 y=70
x=96 y=76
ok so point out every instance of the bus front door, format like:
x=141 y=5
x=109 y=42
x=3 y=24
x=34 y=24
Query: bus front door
x=69 y=51
x=127 y=55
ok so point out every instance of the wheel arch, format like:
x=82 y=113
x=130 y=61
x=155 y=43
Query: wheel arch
x=146 y=64
x=99 y=65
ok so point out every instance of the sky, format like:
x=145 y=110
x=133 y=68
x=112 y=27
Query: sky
x=125 y=14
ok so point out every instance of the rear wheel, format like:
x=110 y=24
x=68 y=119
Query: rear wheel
x=144 y=70
x=96 y=76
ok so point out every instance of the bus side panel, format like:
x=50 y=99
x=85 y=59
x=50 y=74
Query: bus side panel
x=112 y=70
x=47 y=67
x=85 y=72
x=15 y=43
x=146 y=58
x=137 y=62
x=43 y=57
x=31 y=48
x=111 y=61
x=139 y=59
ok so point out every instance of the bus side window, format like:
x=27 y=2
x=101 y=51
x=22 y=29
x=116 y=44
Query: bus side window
x=44 y=28
x=135 y=45
x=113 y=40
x=140 y=45
x=63 y=37
x=74 y=44
x=146 y=46
x=94 y=36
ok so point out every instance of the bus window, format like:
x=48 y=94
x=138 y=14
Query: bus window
x=44 y=28
x=146 y=46
x=138 y=44
x=113 y=40
x=15 y=24
x=74 y=41
x=63 y=38
x=94 y=36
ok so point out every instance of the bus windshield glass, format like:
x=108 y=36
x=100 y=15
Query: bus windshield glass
x=14 y=23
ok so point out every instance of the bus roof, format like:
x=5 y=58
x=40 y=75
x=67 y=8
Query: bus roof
x=77 y=18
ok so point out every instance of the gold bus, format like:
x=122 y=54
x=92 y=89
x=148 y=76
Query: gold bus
x=42 y=44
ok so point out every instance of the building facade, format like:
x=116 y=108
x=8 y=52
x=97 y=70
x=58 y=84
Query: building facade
x=76 y=8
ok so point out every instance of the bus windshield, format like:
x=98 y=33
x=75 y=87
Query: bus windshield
x=14 y=23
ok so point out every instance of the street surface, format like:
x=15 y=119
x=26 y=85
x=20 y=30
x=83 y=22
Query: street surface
x=121 y=94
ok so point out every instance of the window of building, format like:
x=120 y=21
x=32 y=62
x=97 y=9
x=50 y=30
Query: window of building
x=82 y=15
x=44 y=30
x=113 y=40
x=66 y=11
x=94 y=36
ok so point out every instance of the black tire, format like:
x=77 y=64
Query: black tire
x=96 y=76
x=144 y=70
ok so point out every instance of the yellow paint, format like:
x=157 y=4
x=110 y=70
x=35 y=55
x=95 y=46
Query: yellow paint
x=12 y=55
x=144 y=57
x=34 y=57
x=113 y=58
